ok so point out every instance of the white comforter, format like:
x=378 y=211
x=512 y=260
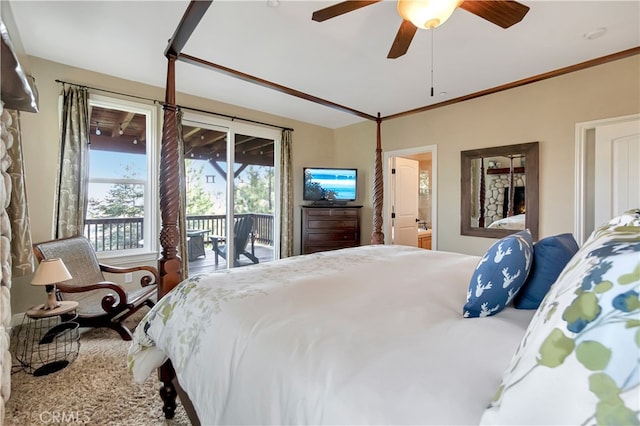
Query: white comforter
x=365 y=335
x=516 y=222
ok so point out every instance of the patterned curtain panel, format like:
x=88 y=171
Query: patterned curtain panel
x=18 y=212
x=286 y=196
x=182 y=214
x=73 y=173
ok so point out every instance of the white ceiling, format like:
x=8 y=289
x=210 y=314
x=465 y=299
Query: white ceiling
x=342 y=60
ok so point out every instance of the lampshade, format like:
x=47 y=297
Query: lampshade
x=427 y=14
x=51 y=271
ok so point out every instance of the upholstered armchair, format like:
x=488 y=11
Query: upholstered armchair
x=101 y=303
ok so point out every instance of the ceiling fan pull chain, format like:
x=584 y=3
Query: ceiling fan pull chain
x=432 y=31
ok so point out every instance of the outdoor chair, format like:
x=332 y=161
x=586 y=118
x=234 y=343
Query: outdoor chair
x=243 y=233
x=100 y=303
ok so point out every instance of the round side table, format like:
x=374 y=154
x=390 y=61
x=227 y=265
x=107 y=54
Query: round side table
x=48 y=340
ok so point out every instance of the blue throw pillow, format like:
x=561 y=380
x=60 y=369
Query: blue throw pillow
x=550 y=256
x=499 y=275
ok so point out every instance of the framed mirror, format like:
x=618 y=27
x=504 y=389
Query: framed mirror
x=499 y=190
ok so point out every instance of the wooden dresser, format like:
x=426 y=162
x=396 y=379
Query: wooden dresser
x=330 y=228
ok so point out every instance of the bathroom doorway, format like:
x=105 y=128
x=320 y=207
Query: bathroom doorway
x=425 y=194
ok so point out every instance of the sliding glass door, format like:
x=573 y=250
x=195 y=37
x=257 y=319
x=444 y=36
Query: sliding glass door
x=231 y=193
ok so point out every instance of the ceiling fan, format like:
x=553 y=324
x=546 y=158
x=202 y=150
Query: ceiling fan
x=415 y=14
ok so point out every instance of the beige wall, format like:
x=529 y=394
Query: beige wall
x=546 y=111
x=311 y=145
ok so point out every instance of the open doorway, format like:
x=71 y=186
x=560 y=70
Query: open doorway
x=410 y=213
x=607 y=171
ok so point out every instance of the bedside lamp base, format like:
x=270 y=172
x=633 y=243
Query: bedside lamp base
x=51 y=302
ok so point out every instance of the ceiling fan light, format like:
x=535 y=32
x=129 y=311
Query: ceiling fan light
x=427 y=14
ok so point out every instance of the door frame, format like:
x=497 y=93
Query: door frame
x=583 y=134
x=388 y=195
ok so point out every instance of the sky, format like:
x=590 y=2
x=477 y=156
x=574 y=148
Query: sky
x=109 y=165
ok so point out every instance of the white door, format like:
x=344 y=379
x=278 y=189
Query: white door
x=617 y=170
x=406 y=202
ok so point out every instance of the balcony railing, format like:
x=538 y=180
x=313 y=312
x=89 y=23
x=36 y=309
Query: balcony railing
x=127 y=233
x=114 y=234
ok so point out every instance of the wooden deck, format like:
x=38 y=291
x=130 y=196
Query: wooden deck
x=204 y=264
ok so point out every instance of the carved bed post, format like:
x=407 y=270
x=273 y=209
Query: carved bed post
x=511 y=188
x=169 y=264
x=377 y=236
x=482 y=195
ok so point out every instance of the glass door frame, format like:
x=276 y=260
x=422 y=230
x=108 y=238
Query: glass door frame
x=232 y=128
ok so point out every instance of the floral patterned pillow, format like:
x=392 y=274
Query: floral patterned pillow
x=499 y=275
x=578 y=362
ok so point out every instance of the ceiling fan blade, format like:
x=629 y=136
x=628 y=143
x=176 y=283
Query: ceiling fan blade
x=503 y=13
x=340 y=9
x=403 y=39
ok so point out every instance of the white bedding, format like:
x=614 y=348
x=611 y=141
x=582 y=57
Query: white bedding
x=365 y=335
x=516 y=222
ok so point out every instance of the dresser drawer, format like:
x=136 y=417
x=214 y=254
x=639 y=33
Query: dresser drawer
x=330 y=228
x=332 y=212
x=327 y=247
x=333 y=237
x=332 y=224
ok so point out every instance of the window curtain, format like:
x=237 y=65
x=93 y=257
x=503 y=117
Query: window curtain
x=182 y=214
x=73 y=173
x=286 y=196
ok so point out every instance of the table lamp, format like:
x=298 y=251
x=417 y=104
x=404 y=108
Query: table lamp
x=50 y=272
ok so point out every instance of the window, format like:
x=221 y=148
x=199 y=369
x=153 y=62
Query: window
x=231 y=178
x=121 y=212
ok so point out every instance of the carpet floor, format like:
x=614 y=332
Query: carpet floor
x=96 y=389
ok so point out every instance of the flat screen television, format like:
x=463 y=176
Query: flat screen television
x=330 y=185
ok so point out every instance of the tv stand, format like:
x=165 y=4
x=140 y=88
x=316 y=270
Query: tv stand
x=329 y=227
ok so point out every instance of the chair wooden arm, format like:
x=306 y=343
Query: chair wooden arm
x=144 y=281
x=109 y=302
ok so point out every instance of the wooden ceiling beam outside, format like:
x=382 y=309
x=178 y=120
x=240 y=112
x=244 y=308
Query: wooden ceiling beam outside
x=189 y=134
x=123 y=123
x=124 y=144
x=244 y=141
x=219 y=169
x=261 y=146
x=215 y=140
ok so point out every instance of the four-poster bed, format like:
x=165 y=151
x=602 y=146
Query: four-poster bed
x=364 y=335
x=170 y=264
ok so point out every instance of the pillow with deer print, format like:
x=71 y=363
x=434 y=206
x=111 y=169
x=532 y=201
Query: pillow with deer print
x=499 y=275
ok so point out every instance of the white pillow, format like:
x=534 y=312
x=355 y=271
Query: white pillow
x=578 y=362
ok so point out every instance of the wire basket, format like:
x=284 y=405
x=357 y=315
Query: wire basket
x=45 y=345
